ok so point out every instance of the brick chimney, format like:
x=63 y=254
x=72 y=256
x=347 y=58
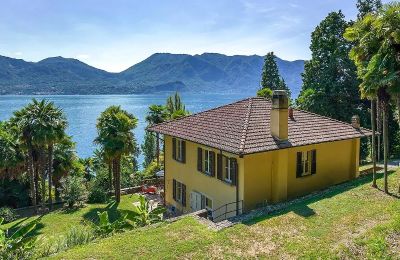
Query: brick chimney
x=355 y=121
x=279 y=115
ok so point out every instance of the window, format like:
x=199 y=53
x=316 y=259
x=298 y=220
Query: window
x=179 y=150
x=179 y=192
x=228 y=169
x=206 y=161
x=206 y=202
x=306 y=163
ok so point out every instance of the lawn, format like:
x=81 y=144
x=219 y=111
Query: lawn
x=59 y=221
x=350 y=221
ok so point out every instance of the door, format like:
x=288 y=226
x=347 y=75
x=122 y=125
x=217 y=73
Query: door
x=195 y=201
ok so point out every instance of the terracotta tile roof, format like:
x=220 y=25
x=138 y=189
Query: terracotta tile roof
x=243 y=127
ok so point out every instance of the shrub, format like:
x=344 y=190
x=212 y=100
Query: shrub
x=8 y=214
x=145 y=214
x=73 y=190
x=151 y=170
x=18 y=245
x=265 y=92
x=97 y=194
x=105 y=227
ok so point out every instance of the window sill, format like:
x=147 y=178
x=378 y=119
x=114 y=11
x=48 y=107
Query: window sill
x=182 y=162
x=304 y=176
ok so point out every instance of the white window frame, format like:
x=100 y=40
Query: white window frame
x=204 y=198
x=227 y=169
x=207 y=162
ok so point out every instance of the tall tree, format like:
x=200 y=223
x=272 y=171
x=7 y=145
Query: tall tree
x=270 y=77
x=158 y=114
x=115 y=136
x=367 y=6
x=329 y=80
x=377 y=55
x=148 y=148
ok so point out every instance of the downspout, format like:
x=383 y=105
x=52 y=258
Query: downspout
x=237 y=187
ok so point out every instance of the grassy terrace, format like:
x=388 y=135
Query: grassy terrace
x=351 y=221
x=58 y=222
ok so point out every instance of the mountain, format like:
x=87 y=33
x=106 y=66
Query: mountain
x=160 y=72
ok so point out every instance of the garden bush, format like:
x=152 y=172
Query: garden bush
x=8 y=214
x=73 y=190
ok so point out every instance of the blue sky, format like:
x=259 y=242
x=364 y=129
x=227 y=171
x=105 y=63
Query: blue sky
x=115 y=34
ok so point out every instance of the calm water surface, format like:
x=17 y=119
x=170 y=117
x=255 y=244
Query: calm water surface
x=82 y=111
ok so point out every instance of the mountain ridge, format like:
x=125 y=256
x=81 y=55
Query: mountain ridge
x=159 y=72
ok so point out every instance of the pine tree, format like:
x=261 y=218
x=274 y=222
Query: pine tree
x=270 y=78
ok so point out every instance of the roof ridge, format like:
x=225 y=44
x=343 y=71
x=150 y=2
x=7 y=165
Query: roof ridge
x=245 y=127
x=201 y=112
x=327 y=117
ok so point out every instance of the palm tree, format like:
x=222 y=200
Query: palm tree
x=156 y=115
x=41 y=124
x=377 y=56
x=115 y=136
x=11 y=157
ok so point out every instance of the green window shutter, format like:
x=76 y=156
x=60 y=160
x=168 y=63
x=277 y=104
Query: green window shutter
x=174 y=148
x=219 y=166
x=314 y=161
x=184 y=195
x=200 y=159
x=212 y=162
x=234 y=175
x=174 y=190
x=183 y=151
x=299 y=165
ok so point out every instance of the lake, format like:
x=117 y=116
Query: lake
x=82 y=111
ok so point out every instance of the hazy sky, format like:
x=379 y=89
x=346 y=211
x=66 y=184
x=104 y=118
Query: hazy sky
x=116 y=34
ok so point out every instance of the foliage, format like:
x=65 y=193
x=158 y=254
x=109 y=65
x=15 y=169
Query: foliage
x=151 y=169
x=367 y=6
x=75 y=236
x=73 y=190
x=10 y=151
x=14 y=192
x=270 y=77
x=265 y=92
x=157 y=114
x=97 y=194
x=144 y=214
x=148 y=148
x=329 y=80
x=175 y=104
x=18 y=245
x=105 y=227
x=8 y=214
x=115 y=136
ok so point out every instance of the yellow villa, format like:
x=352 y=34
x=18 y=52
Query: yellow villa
x=254 y=152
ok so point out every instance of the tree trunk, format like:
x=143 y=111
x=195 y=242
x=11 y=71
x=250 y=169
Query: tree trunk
x=117 y=173
x=385 y=145
x=31 y=171
x=110 y=175
x=158 y=148
x=379 y=127
x=43 y=173
x=398 y=118
x=50 y=173
x=373 y=154
x=37 y=190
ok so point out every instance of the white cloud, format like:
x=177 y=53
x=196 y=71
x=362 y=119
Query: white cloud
x=18 y=53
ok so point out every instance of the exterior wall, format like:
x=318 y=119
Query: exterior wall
x=270 y=177
x=220 y=192
x=267 y=177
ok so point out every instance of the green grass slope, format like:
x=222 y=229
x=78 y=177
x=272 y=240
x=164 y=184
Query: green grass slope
x=351 y=221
